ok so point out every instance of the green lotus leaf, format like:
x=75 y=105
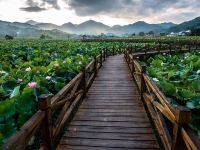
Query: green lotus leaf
x=187 y=94
x=15 y=92
x=167 y=88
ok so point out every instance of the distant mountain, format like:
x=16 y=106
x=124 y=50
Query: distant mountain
x=47 y=26
x=140 y=26
x=32 y=22
x=195 y=23
x=92 y=27
x=68 y=27
x=167 y=25
x=25 y=30
x=34 y=28
x=88 y=27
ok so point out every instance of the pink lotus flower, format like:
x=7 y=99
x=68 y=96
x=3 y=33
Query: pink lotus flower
x=56 y=65
x=32 y=85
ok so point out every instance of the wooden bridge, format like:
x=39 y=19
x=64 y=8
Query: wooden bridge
x=112 y=116
x=121 y=109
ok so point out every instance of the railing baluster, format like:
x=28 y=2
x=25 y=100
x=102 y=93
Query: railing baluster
x=101 y=59
x=182 y=118
x=142 y=88
x=95 y=66
x=83 y=81
x=44 y=104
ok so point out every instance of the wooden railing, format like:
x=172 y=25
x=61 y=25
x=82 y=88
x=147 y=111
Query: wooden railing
x=157 y=40
x=54 y=112
x=166 y=48
x=171 y=123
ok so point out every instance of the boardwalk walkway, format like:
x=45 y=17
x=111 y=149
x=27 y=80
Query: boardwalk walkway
x=112 y=117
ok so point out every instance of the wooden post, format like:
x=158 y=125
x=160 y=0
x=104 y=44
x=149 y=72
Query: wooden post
x=95 y=66
x=124 y=52
x=159 y=48
x=189 y=47
x=145 y=48
x=104 y=55
x=133 y=67
x=128 y=58
x=131 y=49
x=196 y=45
x=83 y=81
x=106 y=52
x=126 y=55
x=142 y=89
x=101 y=59
x=182 y=115
x=44 y=104
x=170 y=48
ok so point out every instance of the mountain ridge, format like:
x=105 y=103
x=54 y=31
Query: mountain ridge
x=187 y=25
x=93 y=27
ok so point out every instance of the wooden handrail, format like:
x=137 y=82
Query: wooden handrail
x=20 y=138
x=65 y=89
x=159 y=107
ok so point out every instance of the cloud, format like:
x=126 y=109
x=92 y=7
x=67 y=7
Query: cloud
x=32 y=9
x=128 y=8
x=40 y=5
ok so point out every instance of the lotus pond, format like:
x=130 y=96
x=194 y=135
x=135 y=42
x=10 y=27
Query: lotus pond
x=29 y=68
x=178 y=77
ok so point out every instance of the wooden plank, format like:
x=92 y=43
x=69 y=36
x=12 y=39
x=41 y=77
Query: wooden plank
x=112 y=114
x=109 y=136
x=103 y=129
x=117 y=119
x=109 y=143
x=111 y=107
x=74 y=147
x=112 y=123
x=112 y=110
x=108 y=103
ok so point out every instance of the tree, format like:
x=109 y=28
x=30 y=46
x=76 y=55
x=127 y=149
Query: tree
x=195 y=32
x=42 y=36
x=133 y=34
x=141 y=34
x=84 y=37
x=9 y=37
x=162 y=34
x=151 y=33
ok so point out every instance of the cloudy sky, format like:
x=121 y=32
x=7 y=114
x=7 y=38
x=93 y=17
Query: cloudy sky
x=110 y=12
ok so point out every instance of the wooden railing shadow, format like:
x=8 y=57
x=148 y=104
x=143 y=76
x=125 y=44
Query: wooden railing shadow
x=171 y=123
x=62 y=104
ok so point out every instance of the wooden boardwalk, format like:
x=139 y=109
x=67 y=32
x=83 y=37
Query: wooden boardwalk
x=112 y=117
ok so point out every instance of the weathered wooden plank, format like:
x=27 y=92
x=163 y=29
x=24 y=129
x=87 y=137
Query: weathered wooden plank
x=98 y=129
x=112 y=123
x=114 y=114
x=112 y=110
x=120 y=107
x=109 y=143
x=73 y=147
x=109 y=136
